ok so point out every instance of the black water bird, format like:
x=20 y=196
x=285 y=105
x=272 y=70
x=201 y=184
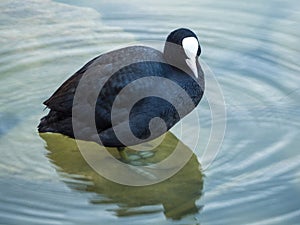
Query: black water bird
x=102 y=80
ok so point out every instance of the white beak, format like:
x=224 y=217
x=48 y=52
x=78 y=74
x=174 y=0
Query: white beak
x=193 y=66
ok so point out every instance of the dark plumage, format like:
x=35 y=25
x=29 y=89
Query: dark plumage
x=113 y=71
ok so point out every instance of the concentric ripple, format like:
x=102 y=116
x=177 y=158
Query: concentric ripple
x=253 y=48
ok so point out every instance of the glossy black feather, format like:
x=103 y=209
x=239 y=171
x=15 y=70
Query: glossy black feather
x=108 y=71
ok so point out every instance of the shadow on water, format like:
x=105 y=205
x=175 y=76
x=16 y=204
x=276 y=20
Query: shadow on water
x=177 y=195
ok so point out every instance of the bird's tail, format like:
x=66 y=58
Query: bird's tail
x=56 y=122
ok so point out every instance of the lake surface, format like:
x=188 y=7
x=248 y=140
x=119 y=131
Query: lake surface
x=253 y=50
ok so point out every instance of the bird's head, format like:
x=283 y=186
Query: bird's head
x=182 y=50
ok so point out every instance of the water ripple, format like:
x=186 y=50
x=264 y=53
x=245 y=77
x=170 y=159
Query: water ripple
x=253 y=49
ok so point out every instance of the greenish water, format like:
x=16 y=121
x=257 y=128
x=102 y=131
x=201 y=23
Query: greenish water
x=253 y=49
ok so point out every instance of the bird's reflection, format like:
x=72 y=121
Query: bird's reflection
x=176 y=195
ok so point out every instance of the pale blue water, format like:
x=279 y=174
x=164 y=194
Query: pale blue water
x=253 y=49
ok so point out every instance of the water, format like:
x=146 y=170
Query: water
x=253 y=49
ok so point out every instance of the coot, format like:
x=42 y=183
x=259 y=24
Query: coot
x=161 y=80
